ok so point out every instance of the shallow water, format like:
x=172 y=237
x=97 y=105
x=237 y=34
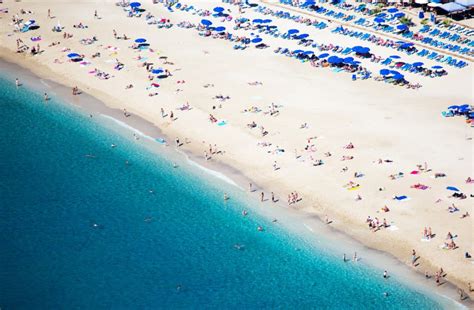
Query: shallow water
x=80 y=228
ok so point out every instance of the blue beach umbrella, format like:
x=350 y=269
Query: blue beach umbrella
x=417 y=64
x=437 y=67
x=257 y=21
x=220 y=29
x=293 y=31
x=464 y=106
x=157 y=71
x=398 y=76
x=392 y=10
x=140 y=40
x=334 y=60
x=395 y=57
x=384 y=72
x=308 y=53
x=206 y=22
x=135 y=4
x=298 y=51
x=453 y=107
x=381 y=15
x=399 y=15
x=266 y=21
x=73 y=55
x=256 y=40
x=323 y=55
x=421 y=15
x=218 y=9
x=452 y=188
x=379 y=20
x=302 y=36
x=348 y=59
x=402 y=27
x=406 y=45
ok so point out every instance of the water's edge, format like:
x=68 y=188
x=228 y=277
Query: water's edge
x=309 y=224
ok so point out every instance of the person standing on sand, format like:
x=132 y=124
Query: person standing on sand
x=262 y=196
x=354 y=258
x=273 y=197
x=17 y=83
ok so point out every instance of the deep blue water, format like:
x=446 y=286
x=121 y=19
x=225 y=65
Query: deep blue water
x=52 y=256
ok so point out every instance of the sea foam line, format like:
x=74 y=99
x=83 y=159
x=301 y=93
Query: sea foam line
x=214 y=173
x=125 y=125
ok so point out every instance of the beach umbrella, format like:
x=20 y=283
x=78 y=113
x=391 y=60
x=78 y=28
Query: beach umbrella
x=379 y=20
x=206 y=22
x=334 y=60
x=140 y=40
x=392 y=10
x=464 y=106
x=417 y=64
x=323 y=55
x=73 y=55
x=356 y=48
x=257 y=21
x=135 y=4
x=348 y=59
x=437 y=67
x=302 y=36
x=298 y=51
x=293 y=31
x=157 y=71
x=402 y=27
x=452 y=188
x=398 y=76
x=256 y=40
x=453 y=107
x=421 y=15
x=266 y=21
x=381 y=15
x=395 y=57
x=406 y=45
x=308 y=53
x=399 y=15
x=218 y=9
x=220 y=29
x=384 y=72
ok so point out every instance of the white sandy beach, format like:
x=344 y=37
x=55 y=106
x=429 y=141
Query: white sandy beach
x=382 y=121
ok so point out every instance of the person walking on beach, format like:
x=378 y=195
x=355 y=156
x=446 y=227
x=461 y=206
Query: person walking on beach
x=273 y=197
x=262 y=196
x=413 y=257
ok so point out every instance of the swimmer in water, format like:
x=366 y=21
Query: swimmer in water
x=344 y=257
x=113 y=145
x=385 y=274
x=354 y=258
x=244 y=213
x=46 y=98
x=126 y=162
x=175 y=165
x=226 y=197
x=260 y=228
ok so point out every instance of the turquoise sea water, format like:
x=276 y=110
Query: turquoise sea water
x=85 y=232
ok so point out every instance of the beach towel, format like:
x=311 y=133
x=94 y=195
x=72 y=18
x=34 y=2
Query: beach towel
x=415 y=172
x=222 y=123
